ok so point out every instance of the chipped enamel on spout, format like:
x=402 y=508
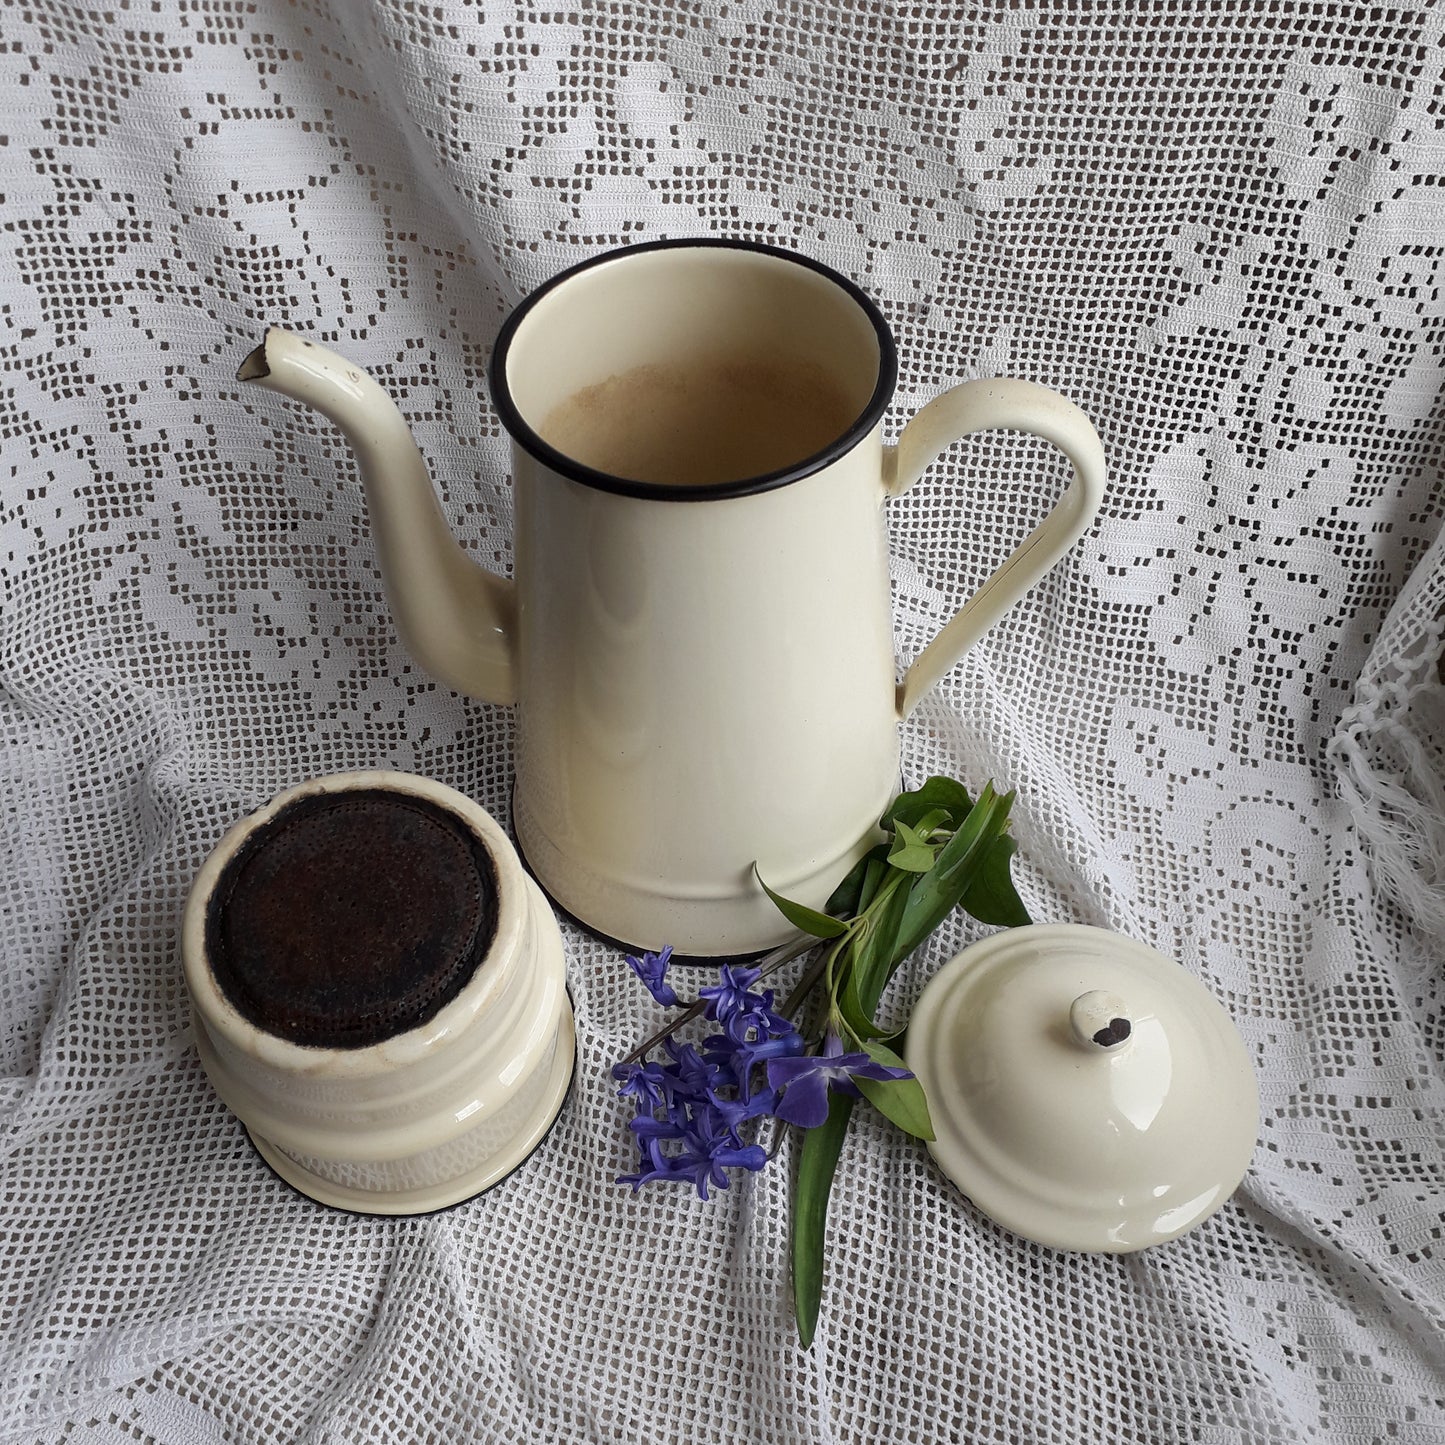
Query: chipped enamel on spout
x=455 y=618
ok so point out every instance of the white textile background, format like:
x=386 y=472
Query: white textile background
x=1217 y=227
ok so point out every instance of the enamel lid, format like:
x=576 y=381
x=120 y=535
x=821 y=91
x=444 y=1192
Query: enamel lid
x=1086 y=1091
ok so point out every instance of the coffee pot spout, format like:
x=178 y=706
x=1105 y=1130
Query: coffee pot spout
x=455 y=617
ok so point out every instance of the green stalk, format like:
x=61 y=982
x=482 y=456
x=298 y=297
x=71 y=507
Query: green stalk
x=817 y=1163
x=809 y=981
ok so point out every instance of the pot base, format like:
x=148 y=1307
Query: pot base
x=683 y=960
x=450 y=1192
x=706 y=925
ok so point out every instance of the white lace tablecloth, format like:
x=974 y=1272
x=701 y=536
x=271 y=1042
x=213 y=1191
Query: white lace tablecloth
x=1217 y=227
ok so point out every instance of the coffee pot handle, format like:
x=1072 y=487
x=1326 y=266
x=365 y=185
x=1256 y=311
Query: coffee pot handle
x=1008 y=405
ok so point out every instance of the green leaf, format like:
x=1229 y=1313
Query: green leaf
x=874 y=878
x=938 y=792
x=909 y=852
x=935 y=894
x=882 y=1054
x=991 y=897
x=858 y=1022
x=817 y=1163
x=801 y=916
x=847 y=1005
x=935 y=818
x=901 y=1100
x=874 y=929
x=873 y=962
x=847 y=898
x=912 y=860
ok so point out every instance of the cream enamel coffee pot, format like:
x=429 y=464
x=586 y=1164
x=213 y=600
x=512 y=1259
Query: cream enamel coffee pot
x=704 y=674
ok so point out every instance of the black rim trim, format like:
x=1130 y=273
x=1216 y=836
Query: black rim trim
x=549 y=456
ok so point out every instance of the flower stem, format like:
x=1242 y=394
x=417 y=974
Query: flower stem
x=769 y=963
x=808 y=982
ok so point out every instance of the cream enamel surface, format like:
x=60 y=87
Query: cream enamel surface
x=454 y=616
x=702 y=685
x=1066 y=1141
x=433 y=1115
x=1004 y=404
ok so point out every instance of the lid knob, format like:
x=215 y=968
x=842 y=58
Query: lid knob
x=1100 y=1021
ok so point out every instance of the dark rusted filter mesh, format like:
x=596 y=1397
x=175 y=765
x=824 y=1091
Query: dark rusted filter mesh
x=350 y=918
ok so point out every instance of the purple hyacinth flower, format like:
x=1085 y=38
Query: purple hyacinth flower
x=710 y=1149
x=754 y=1020
x=655 y=1167
x=740 y=1058
x=692 y=1107
x=731 y=994
x=691 y=1075
x=650 y=1133
x=645 y=1082
x=648 y=1128
x=805 y=1081
x=735 y=1112
x=651 y=968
